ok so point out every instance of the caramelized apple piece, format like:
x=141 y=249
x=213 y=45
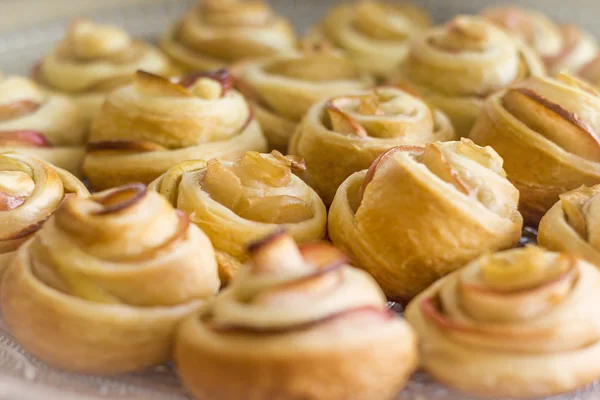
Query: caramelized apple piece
x=23 y=139
x=155 y=85
x=436 y=162
x=274 y=209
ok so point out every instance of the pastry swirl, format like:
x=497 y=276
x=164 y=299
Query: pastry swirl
x=562 y=47
x=47 y=126
x=147 y=127
x=241 y=201
x=546 y=130
x=216 y=33
x=457 y=66
x=520 y=323
x=419 y=213
x=375 y=34
x=30 y=191
x=103 y=285
x=570 y=225
x=345 y=134
x=290 y=310
x=93 y=59
x=283 y=88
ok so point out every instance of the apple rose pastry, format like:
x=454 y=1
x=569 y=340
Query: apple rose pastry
x=291 y=326
x=30 y=191
x=419 y=213
x=104 y=284
x=520 y=323
x=375 y=34
x=283 y=88
x=92 y=60
x=51 y=127
x=547 y=132
x=457 y=66
x=216 y=33
x=345 y=134
x=570 y=225
x=147 y=127
x=564 y=47
x=241 y=201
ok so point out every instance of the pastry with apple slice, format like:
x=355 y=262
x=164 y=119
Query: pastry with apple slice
x=421 y=212
x=103 y=285
x=291 y=326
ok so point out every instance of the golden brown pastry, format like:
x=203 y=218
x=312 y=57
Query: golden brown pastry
x=147 y=127
x=282 y=88
x=216 y=33
x=520 y=323
x=30 y=191
x=241 y=201
x=457 y=66
x=292 y=325
x=48 y=126
x=93 y=59
x=547 y=132
x=571 y=224
x=103 y=285
x=419 y=213
x=375 y=34
x=562 y=47
x=345 y=134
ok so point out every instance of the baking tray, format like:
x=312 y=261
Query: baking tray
x=22 y=377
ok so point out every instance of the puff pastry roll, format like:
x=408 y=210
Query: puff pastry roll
x=375 y=34
x=103 y=285
x=51 y=127
x=547 y=132
x=345 y=134
x=520 y=323
x=282 y=88
x=457 y=66
x=147 y=127
x=419 y=213
x=93 y=59
x=241 y=201
x=291 y=326
x=216 y=33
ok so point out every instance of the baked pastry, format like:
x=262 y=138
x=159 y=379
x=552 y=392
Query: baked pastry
x=291 y=326
x=282 y=88
x=147 y=127
x=94 y=292
x=375 y=34
x=345 y=134
x=457 y=66
x=562 y=47
x=215 y=33
x=547 y=132
x=51 y=127
x=92 y=60
x=419 y=213
x=520 y=323
x=241 y=201
x=570 y=225
x=30 y=191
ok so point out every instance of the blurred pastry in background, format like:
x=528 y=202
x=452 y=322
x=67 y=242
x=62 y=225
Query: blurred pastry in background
x=46 y=125
x=375 y=34
x=344 y=134
x=241 y=201
x=215 y=33
x=546 y=130
x=149 y=126
x=421 y=212
x=282 y=88
x=30 y=191
x=455 y=67
x=92 y=60
x=292 y=325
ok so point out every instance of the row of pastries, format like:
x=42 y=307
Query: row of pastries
x=260 y=197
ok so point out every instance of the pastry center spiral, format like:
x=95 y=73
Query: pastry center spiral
x=235 y=12
x=388 y=21
x=15 y=189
